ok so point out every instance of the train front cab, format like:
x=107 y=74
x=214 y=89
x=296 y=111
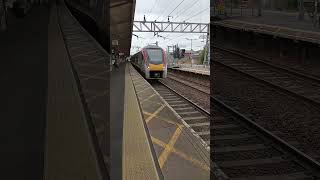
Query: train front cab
x=155 y=66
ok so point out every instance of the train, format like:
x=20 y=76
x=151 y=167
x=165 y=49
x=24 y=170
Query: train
x=151 y=62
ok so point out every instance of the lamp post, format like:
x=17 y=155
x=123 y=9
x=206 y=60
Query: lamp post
x=191 y=50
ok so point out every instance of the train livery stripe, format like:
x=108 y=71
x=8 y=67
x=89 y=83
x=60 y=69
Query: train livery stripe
x=156 y=67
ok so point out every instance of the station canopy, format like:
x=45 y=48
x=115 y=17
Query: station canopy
x=121 y=22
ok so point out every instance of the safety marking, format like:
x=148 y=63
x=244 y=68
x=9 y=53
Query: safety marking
x=154 y=102
x=176 y=105
x=99 y=59
x=155 y=113
x=181 y=154
x=98 y=95
x=95 y=76
x=137 y=82
x=163 y=119
x=143 y=90
x=171 y=149
x=199 y=124
x=174 y=101
x=77 y=47
x=168 y=148
x=141 y=84
x=189 y=112
x=146 y=99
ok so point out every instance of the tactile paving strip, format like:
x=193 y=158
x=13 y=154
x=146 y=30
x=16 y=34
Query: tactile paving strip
x=91 y=66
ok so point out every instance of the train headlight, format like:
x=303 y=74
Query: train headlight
x=148 y=67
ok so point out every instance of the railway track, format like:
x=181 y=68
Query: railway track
x=296 y=84
x=197 y=86
x=244 y=150
x=195 y=116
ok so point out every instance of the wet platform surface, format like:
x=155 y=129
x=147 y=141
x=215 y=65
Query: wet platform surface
x=180 y=154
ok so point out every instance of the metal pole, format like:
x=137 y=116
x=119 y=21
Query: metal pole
x=315 y=16
x=301 y=10
x=241 y=4
x=259 y=7
x=231 y=7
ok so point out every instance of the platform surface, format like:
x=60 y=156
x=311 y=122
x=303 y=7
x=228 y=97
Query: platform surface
x=281 y=24
x=138 y=160
x=195 y=70
x=70 y=153
x=180 y=154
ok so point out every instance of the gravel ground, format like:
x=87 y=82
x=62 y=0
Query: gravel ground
x=296 y=121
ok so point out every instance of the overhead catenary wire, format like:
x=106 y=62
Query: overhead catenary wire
x=176 y=7
x=154 y=5
x=163 y=11
x=180 y=11
x=192 y=4
x=195 y=15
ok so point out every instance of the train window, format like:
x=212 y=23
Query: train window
x=155 y=56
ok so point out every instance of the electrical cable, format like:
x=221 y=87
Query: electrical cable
x=190 y=17
x=192 y=4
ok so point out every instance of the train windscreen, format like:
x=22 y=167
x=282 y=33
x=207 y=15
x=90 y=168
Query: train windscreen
x=155 y=56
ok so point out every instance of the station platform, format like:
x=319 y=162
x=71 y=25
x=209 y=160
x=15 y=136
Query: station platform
x=179 y=153
x=194 y=70
x=76 y=131
x=198 y=69
x=277 y=24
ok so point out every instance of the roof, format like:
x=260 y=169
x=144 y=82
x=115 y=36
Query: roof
x=121 y=23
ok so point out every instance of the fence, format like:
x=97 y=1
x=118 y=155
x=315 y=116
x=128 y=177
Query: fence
x=237 y=7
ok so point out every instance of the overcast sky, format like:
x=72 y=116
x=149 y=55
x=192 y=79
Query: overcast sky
x=197 y=11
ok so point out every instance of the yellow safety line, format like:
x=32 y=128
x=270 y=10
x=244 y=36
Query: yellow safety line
x=174 y=150
x=155 y=113
x=163 y=119
x=146 y=99
x=182 y=155
x=168 y=148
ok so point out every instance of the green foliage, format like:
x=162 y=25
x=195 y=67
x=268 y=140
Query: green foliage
x=203 y=54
